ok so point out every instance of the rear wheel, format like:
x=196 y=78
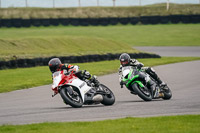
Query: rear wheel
x=143 y=92
x=167 y=93
x=71 y=97
x=108 y=98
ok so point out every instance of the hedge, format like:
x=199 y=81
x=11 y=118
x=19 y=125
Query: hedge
x=22 y=63
x=100 y=21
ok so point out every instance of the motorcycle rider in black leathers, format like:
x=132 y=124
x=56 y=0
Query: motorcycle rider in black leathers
x=56 y=65
x=125 y=60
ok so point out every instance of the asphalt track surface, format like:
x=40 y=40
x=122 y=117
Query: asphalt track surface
x=36 y=105
x=172 y=51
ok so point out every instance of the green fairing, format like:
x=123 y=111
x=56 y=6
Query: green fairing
x=139 y=82
x=130 y=81
x=124 y=80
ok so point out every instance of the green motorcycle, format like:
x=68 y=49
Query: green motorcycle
x=142 y=84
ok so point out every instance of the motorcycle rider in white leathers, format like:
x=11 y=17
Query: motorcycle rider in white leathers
x=56 y=65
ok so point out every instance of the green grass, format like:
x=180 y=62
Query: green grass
x=46 y=46
x=97 y=12
x=69 y=40
x=164 y=124
x=21 y=78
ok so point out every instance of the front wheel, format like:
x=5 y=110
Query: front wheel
x=143 y=92
x=71 y=97
x=108 y=97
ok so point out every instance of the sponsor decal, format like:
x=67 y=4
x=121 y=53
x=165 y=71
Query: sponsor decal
x=82 y=85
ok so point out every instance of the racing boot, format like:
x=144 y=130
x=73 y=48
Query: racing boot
x=152 y=73
x=160 y=82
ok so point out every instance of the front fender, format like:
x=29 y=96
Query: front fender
x=138 y=82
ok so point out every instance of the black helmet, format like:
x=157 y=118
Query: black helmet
x=125 y=59
x=54 y=64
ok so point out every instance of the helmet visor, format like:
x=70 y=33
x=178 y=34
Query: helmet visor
x=124 y=63
x=53 y=68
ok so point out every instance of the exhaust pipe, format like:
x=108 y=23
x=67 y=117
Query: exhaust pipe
x=97 y=98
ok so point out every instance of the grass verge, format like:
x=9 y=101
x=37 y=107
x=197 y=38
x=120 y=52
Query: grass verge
x=46 y=46
x=164 y=124
x=69 y=40
x=21 y=78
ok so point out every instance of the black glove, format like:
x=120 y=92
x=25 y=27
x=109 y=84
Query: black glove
x=66 y=72
x=139 y=66
x=86 y=74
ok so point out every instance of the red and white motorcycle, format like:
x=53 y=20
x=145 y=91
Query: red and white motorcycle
x=77 y=92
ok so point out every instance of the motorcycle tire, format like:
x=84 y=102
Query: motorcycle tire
x=167 y=93
x=146 y=96
x=108 y=98
x=71 y=99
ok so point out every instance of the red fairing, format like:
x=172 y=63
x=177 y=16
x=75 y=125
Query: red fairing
x=67 y=78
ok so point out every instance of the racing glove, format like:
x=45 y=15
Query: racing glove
x=139 y=66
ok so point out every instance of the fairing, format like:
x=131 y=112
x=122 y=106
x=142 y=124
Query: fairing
x=59 y=79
